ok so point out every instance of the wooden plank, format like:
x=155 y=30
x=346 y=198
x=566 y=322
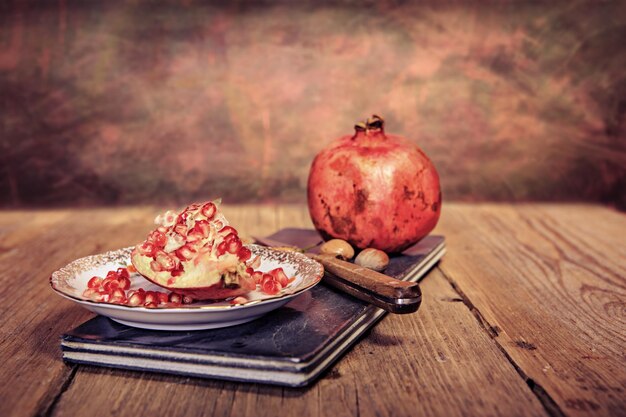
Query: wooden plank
x=436 y=362
x=549 y=283
x=33 y=317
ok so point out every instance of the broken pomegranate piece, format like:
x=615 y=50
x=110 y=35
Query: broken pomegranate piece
x=195 y=253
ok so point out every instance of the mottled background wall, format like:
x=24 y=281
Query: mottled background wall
x=137 y=101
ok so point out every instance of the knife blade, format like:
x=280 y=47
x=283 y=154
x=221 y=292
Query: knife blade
x=391 y=294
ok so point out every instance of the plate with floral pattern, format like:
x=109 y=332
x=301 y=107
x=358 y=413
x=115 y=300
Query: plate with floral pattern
x=72 y=281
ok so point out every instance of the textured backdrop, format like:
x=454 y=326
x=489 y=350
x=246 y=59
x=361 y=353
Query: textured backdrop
x=153 y=101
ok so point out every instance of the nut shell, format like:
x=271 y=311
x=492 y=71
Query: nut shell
x=373 y=259
x=339 y=248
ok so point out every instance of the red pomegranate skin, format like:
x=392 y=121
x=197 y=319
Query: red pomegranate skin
x=374 y=190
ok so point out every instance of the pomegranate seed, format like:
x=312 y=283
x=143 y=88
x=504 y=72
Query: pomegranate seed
x=124 y=283
x=244 y=254
x=270 y=286
x=167 y=262
x=226 y=230
x=94 y=282
x=122 y=300
x=230 y=237
x=187 y=299
x=280 y=276
x=249 y=271
x=176 y=298
x=90 y=293
x=162 y=297
x=131 y=269
x=112 y=275
x=221 y=249
x=155 y=266
x=150 y=305
x=181 y=229
x=123 y=272
x=194 y=236
x=203 y=227
x=185 y=253
x=157 y=238
x=239 y=300
x=118 y=296
x=177 y=272
x=141 y=291
x=160 y=239
x=151 y=297
x=257 y=276
x=208 y=210
x=162 y=229
x=146 y=249
x=102 y=296
x=176 y=261
x=110 y=285
x=169 y=218
x=234 y=246
x=136 y=299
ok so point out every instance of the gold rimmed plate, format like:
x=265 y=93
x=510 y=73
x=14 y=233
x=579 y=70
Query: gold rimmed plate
x=71 y=281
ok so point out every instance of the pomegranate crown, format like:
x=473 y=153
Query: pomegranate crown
x=373 y=124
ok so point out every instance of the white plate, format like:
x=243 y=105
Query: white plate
x=71 y=281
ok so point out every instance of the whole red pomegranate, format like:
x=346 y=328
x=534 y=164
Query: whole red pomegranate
x=374 y=190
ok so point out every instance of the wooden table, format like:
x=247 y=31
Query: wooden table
x=525 y=315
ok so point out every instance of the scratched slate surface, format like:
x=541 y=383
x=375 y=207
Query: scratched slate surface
x=295 y=332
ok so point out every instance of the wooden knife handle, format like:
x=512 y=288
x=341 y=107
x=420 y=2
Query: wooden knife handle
x=390 y=294
x=376 y=283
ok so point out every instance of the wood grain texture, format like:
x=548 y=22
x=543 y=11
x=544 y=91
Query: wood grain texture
x=33 y=245
x=545 y=282
x=549 y=283
x=439 y=362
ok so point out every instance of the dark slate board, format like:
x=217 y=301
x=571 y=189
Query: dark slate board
x=303 y=337
x=295 y=332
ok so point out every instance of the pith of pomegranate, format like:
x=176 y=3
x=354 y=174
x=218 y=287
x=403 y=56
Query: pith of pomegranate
x=195 y=253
